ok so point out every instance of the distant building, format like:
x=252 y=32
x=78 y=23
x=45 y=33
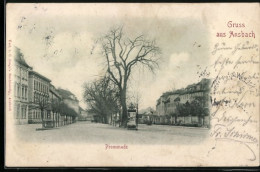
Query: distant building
x=54 y=94
x=70 y=99
x=54 y=100
x=21 y=103
x=83 y=114
x=39 y=87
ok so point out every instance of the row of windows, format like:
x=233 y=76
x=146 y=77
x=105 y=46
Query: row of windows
x=184 y=97
x=36 y=114
x=40 y=98
x=21 y=91
x=188 y=96
x=40 y=87
x=21 y=112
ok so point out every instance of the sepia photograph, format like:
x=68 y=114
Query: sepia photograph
x=131 y=85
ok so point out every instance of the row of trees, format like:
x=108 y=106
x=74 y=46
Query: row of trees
x=197 y=107
x=121 y=54
x=58 y=108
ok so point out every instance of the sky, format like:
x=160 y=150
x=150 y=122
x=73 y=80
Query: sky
x=58 y=41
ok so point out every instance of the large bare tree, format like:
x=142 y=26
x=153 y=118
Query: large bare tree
x=122 y=55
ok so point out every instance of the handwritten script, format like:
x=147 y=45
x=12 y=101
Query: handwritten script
x=235 y=94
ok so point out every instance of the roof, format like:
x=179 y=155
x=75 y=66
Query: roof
x=20 y=58
x=54 y=91
x=205 y=82
x=177 y=99
x=66 y=94
x=81 y=109
x=39 y=75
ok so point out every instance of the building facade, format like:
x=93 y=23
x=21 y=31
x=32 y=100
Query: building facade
x=39 y=87
x=21 y=88
x=167 y=104
x=35 y=98
x=70 y=100
x=83 y=114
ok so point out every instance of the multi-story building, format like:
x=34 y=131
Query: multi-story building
x=21 y=88
x=55 y=100
x=70 y=100
x=167 y=103
x=39 y=87
x=34 y=96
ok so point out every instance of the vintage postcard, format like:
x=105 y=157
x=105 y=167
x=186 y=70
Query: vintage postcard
x=115 y=85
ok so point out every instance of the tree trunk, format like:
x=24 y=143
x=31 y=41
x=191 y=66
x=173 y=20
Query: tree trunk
x=124 y=115
x=53 y=123
x=200 y=120
x=56 y=119
x=124 y=108
x=42 y=116
x=105 y=119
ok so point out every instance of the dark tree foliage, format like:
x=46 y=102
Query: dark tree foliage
x=199 y=107
x=102 y=96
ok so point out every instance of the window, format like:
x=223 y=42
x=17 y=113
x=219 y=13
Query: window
x=22 y=92
x=18 y=111
x=24 y=113
x=26 y=75
x=34 y=84
x=15 y=89
x=25 y=93
x=21 y=73
x=21 y=112
x=18 y=90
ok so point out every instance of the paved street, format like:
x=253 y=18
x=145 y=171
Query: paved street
x=104 y=133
